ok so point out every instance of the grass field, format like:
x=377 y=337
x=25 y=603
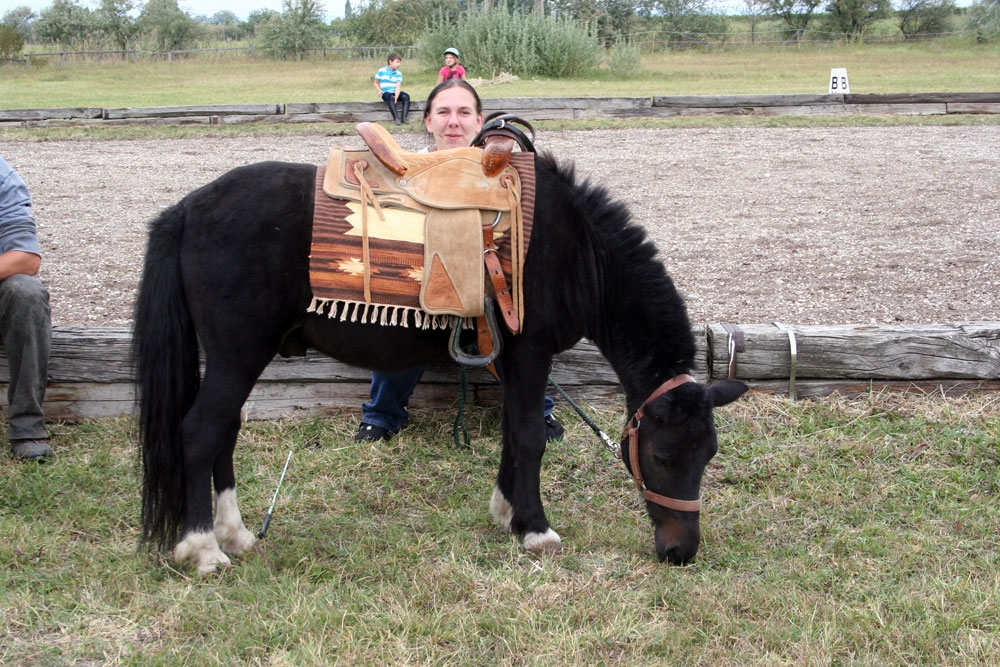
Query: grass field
x=895 y=68
x=835 y=532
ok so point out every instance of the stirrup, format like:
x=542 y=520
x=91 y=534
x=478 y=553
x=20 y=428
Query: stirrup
x=476 y=360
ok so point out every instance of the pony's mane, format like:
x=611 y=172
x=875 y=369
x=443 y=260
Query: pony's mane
x=640 y=280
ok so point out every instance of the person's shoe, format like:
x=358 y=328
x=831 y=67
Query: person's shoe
x=370 y=432
x=553 y=429
x=31 y=450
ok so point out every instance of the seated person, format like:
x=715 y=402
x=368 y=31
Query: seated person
x=389 y=84
x=25 y=327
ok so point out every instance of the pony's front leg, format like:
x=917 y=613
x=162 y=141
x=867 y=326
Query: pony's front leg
x=516 y=504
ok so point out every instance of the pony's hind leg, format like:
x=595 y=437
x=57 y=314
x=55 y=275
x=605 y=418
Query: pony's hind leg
x=209 y=433
x=232 y=535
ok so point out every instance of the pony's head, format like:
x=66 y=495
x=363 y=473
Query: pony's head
x=666 y=446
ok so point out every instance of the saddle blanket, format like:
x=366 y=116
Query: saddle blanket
x=397 y=257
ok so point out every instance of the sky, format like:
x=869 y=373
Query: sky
x=241 y=8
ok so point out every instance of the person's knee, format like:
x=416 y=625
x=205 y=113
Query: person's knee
x=25 y=296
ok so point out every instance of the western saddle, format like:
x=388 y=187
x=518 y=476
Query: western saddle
x=466 y=195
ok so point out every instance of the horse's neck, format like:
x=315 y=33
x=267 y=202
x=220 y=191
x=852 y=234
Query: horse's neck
x=645 y=337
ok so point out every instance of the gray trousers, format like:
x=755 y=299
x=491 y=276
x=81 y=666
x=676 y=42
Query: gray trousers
x=26 y=333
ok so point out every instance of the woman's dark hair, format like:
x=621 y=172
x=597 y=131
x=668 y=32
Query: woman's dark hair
x=452 y=83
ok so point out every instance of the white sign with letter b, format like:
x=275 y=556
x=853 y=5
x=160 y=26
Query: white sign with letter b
x=838 y=81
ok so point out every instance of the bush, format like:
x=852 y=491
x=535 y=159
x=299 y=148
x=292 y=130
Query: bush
x=11 y=41
x=920 y=18
x=624 y=60
x=505 y=40
x=984 y=20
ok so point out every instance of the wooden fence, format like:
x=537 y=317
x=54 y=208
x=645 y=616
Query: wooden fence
x=532 y=108
x=90 y=373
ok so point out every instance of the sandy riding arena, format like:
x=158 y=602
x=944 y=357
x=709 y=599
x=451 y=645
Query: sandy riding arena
x=803 y=226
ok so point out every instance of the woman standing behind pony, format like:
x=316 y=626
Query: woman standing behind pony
x=452 y=69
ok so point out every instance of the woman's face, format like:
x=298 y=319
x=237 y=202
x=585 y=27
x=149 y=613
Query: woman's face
x=453 y=119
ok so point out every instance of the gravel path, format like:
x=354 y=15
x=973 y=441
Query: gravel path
x=803 y=226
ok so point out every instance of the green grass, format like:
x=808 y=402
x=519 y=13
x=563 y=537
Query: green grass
x=895 y=68
x=836 y=531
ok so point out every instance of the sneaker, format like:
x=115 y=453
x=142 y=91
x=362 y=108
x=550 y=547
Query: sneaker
x=31 y=450
x=371 y=432
x=553 y=429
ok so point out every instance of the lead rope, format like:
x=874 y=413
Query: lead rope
x=459 y=423
x=611 y=445
x=460 y=416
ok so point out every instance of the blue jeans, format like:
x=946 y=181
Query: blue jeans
x=26 y=333
x=390 y=394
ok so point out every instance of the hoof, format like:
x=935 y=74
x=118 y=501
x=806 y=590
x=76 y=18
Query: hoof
x=548 y=542
x=242 y=542
x=501 y=510
x=203 y=550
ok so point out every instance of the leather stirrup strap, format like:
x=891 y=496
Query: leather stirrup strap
x=367 y=195
x=499 y=281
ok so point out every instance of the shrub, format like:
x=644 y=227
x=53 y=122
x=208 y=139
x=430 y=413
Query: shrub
x=11 y=41
x=984 y=20
x=506 y=40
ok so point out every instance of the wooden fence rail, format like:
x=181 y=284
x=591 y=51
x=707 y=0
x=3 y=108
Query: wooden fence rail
x=532 y=108
x=90 y=373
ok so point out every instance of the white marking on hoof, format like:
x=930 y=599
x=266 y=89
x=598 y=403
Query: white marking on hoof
x=202 y=550
x=232 y=535
x=501 y=510
x=548 y=542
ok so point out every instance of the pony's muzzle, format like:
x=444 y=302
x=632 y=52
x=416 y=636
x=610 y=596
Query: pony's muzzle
x=677 y=539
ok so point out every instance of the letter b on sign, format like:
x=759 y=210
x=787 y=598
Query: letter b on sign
x=838 y=81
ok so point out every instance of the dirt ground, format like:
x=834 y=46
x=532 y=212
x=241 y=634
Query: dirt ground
x=802 y=226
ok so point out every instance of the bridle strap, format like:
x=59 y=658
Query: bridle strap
x=631 y=436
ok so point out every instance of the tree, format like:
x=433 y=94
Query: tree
x=299 y=28
x=259 y=17
x=170 y=27
x=754 y=9
x=924 y=17
x=984 y=19
x=21 y=19
x=227 y=26
x=853 y=17
x=117 y=23
x=11 y=41
x=687 y=21
x=65 y=22
x=795 y=13
x=399 y=22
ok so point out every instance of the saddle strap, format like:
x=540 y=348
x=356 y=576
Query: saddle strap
x=367 y=195
x=499 y=282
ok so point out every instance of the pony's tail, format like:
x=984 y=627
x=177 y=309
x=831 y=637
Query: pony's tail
x=165 y=354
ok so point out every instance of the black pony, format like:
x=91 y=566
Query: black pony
x=227 y=267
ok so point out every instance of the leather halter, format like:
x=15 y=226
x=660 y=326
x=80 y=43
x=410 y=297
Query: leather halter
x=631 y=435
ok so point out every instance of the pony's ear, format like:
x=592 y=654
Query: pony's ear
x=725 y=392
